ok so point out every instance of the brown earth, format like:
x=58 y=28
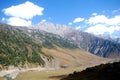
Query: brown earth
x=2 y=78
x=67 y=58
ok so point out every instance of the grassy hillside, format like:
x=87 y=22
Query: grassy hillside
x=17 y=48
x=20 y=46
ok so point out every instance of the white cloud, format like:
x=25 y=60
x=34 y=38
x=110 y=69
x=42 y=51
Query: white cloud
x=112 y=29
x=26 y=10
x=78 y=20
x=104 y=20
x=70 y=23
x=22 y=14
x=100 y=24
x=97 y=19
x=97 y=29
x=100 y=29
x=94 y=14
x=113 y=21
x=3 y=19
x=44 y=20
x=15 y=21
x=78 y=27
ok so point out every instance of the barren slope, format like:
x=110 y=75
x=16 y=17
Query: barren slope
x=66 y=58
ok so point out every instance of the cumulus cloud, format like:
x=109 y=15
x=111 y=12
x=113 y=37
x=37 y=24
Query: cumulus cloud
x=78 y=20
x=97 y=19
x=97 y=29
x=94 y=14
x=26 y=10
x=44 y=20
x=70 y=23
x=100 y=29
x=3 y=19
x=114 y=21
x=104 y=20
x=15 y=21
x=100 y=24
x=22 y=14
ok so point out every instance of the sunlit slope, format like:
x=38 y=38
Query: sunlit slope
x=66 y=58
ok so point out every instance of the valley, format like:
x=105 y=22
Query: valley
x=32 y=53
x=59 y=39
x=66 y=62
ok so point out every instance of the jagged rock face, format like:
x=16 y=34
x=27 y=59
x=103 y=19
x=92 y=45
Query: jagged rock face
x=53 y=28
x=96 y=45
x=105 y=48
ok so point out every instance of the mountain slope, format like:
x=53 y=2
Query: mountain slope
x=65 y=52
x=95 y=45
x=48 y=39
x=67 y=58
x=25 y=47
x=17 y=48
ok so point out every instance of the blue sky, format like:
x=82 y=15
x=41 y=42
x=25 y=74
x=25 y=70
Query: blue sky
x=94 y=16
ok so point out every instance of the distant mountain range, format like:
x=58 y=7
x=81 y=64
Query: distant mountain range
x=101 y=46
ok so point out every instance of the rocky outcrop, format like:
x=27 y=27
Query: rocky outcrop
x=95 y=45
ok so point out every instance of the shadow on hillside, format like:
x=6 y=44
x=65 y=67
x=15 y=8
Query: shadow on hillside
x=110 y=71
x=58 y=77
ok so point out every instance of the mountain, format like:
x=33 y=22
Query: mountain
x=48 y=40
x=53 y=28
x=24 y=47
x=96 y=45
x=110 y=71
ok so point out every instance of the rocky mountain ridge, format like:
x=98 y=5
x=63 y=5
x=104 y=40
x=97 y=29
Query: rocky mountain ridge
x=93 y=44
